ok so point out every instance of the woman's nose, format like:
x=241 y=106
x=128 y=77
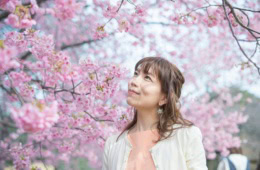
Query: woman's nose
x=135 y=81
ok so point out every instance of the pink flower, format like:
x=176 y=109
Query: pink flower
x=100 y=32
x=110 y=12
x=140 y=11
x=34 y=6
x=37 y=116
x=21 y=156
x=27 y=23
x=211 y=155
x=3 y=3
x=19 y=78
x=233 y=20
x=9 y=5
x=7 y=59
x=211 y=21
x=12 y=20
x=67 y=9
x=123 y=26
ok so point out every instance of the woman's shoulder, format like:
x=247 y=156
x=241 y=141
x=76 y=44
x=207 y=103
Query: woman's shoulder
x=187 y=137
x=187 y=131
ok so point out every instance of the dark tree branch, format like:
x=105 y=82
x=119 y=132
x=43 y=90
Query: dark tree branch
x=7 y=124
x=247 y=40
x=248 y=20
x=77 y=44
x=256 y=45
x=4 y=15
x=159 y=23
x=122 y=1
x=249 y=10
x=20 y=98
x=97 y=119
x=6 y=90
x=26 y=55
x=75 y=128
x=42 y=156
x=233 y=34
x=238 y=21
x=204 y=7
x=72 y=90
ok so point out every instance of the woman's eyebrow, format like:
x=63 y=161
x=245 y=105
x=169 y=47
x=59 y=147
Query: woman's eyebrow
x=150 y=74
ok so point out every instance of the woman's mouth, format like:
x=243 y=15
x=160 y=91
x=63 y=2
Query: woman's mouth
x=131 y=92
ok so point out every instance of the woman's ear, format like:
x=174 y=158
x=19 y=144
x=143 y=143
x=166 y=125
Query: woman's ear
x=163 y=100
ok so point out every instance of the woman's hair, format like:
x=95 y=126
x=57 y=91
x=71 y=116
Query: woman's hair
x=237 y=150
x=171 y=80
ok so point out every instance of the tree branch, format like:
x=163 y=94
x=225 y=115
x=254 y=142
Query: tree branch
x=238 y=21
x=96 y=119
x=77 y=44
x=7 y=124
x=249 y=10
x=233 y=34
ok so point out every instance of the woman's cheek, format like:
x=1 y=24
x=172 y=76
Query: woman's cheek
x=149 y=89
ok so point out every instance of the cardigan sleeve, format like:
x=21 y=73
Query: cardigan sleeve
x=195 y=153
x=105 y=155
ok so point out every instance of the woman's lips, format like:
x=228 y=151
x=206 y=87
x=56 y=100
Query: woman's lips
x=130 y=92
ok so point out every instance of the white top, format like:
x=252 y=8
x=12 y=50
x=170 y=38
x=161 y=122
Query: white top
x=239 y=161
x=182 y=151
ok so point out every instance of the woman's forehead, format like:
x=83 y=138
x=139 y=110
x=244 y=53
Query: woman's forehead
x=147 y=68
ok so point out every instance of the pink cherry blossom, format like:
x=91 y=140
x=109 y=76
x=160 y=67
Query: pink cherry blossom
x=7 y=59
x=21 y=156
x=100 y=32
x=140 y=11
x=21 y=18
x=3 y=3
x=123 y=25
x=110 y=12
x=34 y=117
x=9 y=4
x=67 y=9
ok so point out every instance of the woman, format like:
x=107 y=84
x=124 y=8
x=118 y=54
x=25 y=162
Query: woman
x=158 y=137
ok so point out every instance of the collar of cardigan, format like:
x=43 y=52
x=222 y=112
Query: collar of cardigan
x=128 y=144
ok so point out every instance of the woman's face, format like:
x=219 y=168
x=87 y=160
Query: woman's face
x=144 y=90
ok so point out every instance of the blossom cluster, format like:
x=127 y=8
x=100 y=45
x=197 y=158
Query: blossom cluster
x=36 y=116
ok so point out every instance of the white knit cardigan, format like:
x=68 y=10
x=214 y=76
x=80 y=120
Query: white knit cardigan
x=182 y=151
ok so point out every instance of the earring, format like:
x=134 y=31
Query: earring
x=160 y=111
x=178 y=104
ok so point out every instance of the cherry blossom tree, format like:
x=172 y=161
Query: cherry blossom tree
x=61 y=70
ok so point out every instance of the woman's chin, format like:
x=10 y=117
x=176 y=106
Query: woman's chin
x=130 y=102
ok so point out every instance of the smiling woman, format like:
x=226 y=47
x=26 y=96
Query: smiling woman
x=158 y=137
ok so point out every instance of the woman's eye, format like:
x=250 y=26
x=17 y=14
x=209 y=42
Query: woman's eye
x=148 y=77
x=135 y=73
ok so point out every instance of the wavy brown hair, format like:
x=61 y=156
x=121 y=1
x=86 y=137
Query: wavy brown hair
x=171 y=80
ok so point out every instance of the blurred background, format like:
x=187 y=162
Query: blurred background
x=70 y=61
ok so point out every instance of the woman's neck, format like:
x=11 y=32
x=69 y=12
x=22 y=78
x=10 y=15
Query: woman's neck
x=146 y=120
